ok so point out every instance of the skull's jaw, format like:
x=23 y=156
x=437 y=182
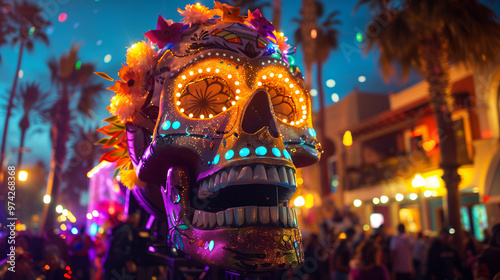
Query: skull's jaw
x=250 y=249
x=258 y=234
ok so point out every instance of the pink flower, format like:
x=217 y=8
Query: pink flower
x=261 y=24
x=195 y=14
x=166 y=32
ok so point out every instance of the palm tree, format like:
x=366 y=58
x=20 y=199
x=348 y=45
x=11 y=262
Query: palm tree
x=76 y=92
x=5 y=28
x=303 y=35
x=29 y=28
x=326 y=40
x=33 y=102
x=427 y=36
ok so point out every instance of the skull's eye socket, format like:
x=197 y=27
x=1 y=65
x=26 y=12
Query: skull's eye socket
x=284 y=105
x=205 y=98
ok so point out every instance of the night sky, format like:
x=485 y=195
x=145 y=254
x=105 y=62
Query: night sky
x=105 y=27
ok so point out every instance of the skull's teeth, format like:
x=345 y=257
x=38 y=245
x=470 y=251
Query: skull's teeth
x=275 y=174
x=246 y=216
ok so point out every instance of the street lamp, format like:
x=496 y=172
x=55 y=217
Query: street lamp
x=418 y=181
x=22 y=176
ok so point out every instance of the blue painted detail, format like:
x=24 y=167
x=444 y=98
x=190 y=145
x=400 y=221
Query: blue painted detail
x=216 y=159
x=166 y=125
x=261 y=150
x=211 y=245
x=176 y=125
x=314 y=133
x=276 y=152
x=287 y=155
x=244 y=152
x=229 y=154
x=177 y=199
x=183 y=227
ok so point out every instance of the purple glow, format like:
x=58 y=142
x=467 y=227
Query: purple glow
x=152 y=249
x=150 y=222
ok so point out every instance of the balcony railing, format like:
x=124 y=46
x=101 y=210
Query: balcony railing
x=401 y=166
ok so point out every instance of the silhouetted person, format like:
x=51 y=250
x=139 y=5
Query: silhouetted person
x=419 y=246
x=443 y=263
x=342 y=256
x=489 y=259
x=366 y=265
x=80 y=246
x=401 y=255
x=120 y=256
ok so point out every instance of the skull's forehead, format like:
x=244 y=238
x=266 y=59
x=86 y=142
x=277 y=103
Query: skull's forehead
x=218 y=40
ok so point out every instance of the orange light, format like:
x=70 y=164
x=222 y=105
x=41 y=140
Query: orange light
x=314 y=33
x=347 y=139
x=486 y=198
x=47 y=267
x=429 y=145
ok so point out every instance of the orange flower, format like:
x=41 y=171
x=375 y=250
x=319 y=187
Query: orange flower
x=195 y=14
x=132 y=83
x=281 y=42
x=229 y=13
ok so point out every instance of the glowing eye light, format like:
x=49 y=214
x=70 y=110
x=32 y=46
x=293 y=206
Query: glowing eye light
x=233 y=102
x=224 y=108
x=237 y=98
x=259 y=84
x=208 y=69
x=280 y=76
x=166 y=125
x=264 y=77
x=297 y=91
x=176 y=125
x=261 y=150
x=291 y=85
x=178 y=94
x=244 y=152
x=237 y=91
x=301 y=99
x=236 y=83
x=183 y=77
x=286 y=80
x=191 y=115
x=210 y=116
x=179 y=85
x=217 y=70
x=182 y=110
x=199 y=70
x=191 y=73
x=202 y=116
x=286 y=154
x=276 y=152
x=178 y=103
x=229 y=76
x=216 y=159
x=229 y=154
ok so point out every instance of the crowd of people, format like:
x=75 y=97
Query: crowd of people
x=381 y=256
x=339 y=252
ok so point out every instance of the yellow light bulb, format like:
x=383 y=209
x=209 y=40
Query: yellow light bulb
x=229 y=76
x=191 y=73
x=183 y=77
x=191 y=115
x=208 y=69
x=224 y=108
x=236 y=83
x=178 y=94
x=202 y=116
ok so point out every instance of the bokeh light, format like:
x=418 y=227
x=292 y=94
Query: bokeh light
x=335 y=98
x=62 y=17
x=313 y=92
x=361 y=79
x=107 y=58
x=330 y=83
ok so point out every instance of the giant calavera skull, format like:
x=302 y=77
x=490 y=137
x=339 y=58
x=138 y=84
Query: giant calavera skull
x=234 y=123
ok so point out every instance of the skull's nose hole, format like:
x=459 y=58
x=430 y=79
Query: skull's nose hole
x=258 y=114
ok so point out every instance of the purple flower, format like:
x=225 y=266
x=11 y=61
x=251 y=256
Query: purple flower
x=261 y=24
x=166 y=32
